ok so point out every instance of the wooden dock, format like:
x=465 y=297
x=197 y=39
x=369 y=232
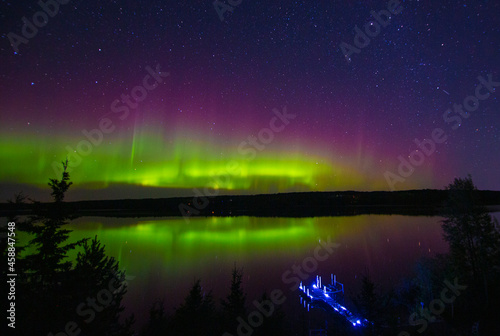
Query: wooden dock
x=331 y=295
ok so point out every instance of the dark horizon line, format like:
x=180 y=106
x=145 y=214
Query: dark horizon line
x=258 y=194
x=292 y=204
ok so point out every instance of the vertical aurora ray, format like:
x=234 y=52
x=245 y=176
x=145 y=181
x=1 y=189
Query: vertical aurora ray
x=132 y=151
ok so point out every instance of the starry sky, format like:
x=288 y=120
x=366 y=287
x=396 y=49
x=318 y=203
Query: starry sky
x=152 y=98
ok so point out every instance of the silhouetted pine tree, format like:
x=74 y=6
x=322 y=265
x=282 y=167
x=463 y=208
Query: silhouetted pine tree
x=47 y=269
x=97 y=276
x=196 y=316
x=158 y=323
x=59 y=188
x=373 y=306
x=234 y=305
x=51 y=290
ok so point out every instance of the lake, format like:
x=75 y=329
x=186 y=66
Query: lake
x=164 y=256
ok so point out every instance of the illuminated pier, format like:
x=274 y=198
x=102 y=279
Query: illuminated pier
x=331 y=294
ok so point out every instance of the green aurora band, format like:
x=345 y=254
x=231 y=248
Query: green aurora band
x=150 y=159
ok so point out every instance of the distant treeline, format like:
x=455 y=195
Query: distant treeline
x=302 y=204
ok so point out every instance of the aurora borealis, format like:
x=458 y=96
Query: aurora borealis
x=209 y=122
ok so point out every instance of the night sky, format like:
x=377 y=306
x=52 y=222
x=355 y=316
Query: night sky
x=155 y=98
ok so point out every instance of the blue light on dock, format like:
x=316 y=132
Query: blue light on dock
x=330 y=294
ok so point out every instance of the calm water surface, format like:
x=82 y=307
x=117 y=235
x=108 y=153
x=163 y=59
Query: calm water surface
x=165 y=255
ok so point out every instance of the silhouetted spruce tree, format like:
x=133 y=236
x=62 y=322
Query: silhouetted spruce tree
x=372 y=305
x=47 y=269
x=158 y=322
x=196 y=316
x=59 y=188
x=234 y=305
x=51 y=289
x=95 y=272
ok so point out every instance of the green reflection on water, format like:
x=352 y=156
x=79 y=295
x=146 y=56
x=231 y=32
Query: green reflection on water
x=225 y=232
x=164 y=255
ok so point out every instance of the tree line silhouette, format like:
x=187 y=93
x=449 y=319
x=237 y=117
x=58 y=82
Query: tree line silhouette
x=456 y=293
